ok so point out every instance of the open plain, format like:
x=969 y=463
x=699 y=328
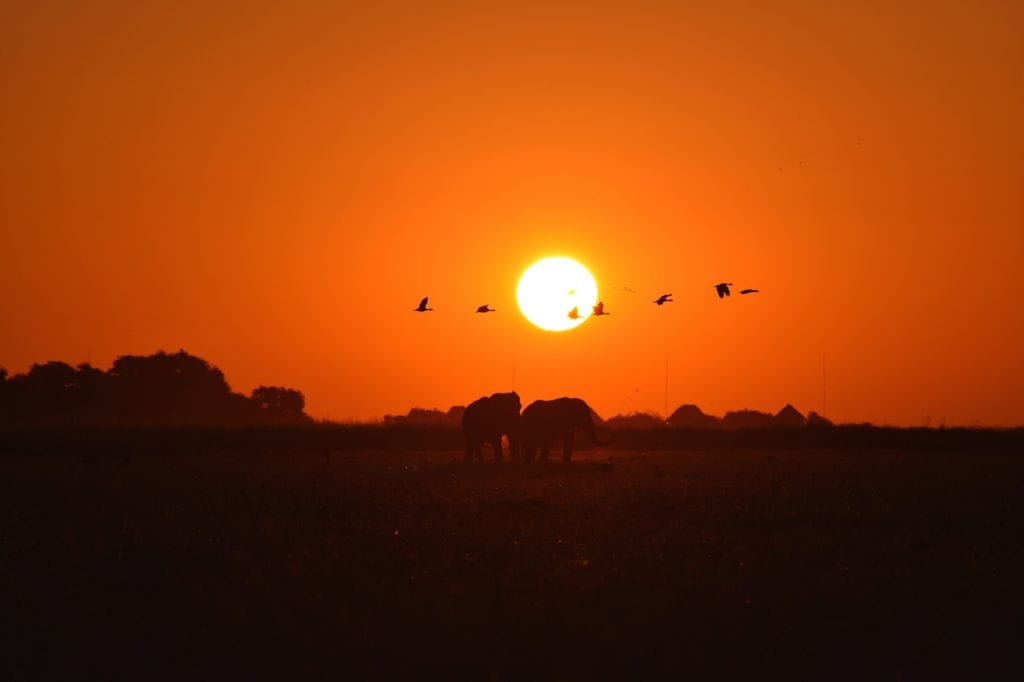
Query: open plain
x=829 y=564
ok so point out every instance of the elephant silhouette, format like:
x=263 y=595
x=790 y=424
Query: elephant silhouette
x=545 y=421
x=489 y=418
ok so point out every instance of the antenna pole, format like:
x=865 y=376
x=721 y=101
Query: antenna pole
x=666 y=387
x=824 y=391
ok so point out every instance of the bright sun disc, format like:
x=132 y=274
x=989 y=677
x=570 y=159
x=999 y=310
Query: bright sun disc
x=551 y=288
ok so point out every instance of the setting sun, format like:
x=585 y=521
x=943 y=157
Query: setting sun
x=556 y=294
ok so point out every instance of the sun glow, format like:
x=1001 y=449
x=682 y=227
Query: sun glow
x=557 y=294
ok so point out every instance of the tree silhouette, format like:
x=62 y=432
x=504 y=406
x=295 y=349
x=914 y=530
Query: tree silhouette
x=278 y=404
x=94 y=396
x=161 y=389
x=178 y=389
x=50 y=388
x=5 y=400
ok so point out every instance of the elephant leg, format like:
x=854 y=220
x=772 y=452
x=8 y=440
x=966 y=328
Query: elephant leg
x=567 y=447
x=470 y=450
x=496 y=444
x=545 y=450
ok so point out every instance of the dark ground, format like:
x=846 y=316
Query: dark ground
x=823 y=564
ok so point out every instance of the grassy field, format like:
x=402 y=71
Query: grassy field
x=825 y=564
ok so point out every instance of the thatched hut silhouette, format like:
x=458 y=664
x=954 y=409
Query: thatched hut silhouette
x=692 y=417
x=788 y=416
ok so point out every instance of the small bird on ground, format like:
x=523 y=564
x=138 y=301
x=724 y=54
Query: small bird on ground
x=750 y=291
x=664 y=298
x=574 y=314
x=599 y=309
x=485 y=309
x=723 y=289
x=423 y=306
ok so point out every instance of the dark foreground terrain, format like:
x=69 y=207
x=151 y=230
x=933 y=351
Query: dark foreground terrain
x=824 y=564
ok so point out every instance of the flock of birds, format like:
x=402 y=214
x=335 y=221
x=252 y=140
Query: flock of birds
x=722 y=288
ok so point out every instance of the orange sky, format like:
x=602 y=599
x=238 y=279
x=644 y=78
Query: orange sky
x=274 y=187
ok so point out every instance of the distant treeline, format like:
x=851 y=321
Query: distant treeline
x=153 y=390
x=685 y=417
x=178 y=404
x=689 y=428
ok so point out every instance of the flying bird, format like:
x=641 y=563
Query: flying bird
x=723 y=289
x=664 y=298
x=599 y=309
x=574 y=314
x=485 y=309
x=423 y=306
x=750 y=291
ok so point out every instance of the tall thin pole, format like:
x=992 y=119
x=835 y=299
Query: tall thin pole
x=824 y=389
x=666 y=387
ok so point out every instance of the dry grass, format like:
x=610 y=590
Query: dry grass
x=827 y=564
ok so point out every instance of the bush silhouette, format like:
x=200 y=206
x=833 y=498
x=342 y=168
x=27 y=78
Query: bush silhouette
x=419 y=416
x=746 y=419
x=635 y=420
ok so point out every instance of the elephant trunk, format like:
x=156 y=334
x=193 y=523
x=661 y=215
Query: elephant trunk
x=592 y=434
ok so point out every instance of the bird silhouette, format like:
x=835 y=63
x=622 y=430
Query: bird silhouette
x=485 y=309
x=664 y=298
x=723 y=289
x=423 y=306
x=750 y=291
x=599 y=309
x=574 y=314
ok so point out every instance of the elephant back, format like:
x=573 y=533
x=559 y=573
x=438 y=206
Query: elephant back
x=564 y=405
x=551 y=416
x=493 y=411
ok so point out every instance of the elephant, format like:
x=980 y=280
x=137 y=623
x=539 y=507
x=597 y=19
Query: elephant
x=545 y=421
x=488 y=419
